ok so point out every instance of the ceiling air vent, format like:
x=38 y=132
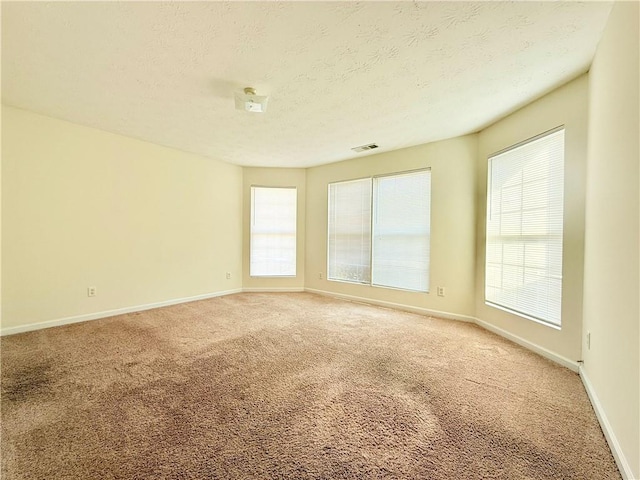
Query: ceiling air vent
x=364 y=148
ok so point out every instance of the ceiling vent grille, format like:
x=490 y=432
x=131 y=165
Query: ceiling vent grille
x=364 y=148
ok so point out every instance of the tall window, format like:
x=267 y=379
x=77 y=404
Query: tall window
x=525 y=195
x=379 y=231
x=401 y=231
x=273 y=232
x=349 y=254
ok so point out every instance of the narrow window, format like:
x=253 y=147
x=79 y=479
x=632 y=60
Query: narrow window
x=525 y=195
x=349 y=226
x=273 y=232
x=401 y=231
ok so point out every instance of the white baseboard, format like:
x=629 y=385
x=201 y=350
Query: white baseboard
x=273 y=290
x=614 y=445
x=570 y=364
x=110 y=313
x=565 y=362
x=395 y=306
x=407 y=308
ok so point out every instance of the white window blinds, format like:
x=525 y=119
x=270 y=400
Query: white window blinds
x=273 y=231
x=523 y=271
x=401 y=231
x=349 y=225
x=393 y=249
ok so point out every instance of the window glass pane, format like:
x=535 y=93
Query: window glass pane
x=273 y=231
x=523 y=271
x=401 y=231
x=349 y=231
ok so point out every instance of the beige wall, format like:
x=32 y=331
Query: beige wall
x=612 y=242
x=274 y=177
x=0 y=220
x=1 y=322
x=565 y=106
x=82 y=207
x=452 y=165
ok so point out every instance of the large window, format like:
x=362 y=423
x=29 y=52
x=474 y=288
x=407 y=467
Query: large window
x=523 y=272
x=379 y=231
x=273 y=232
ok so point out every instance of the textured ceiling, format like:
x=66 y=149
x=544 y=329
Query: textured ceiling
x=339 y=74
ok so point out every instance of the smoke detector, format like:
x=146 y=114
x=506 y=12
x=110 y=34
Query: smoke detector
x=248 y=101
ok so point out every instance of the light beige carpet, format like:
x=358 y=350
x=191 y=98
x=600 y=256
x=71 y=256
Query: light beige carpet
x=289 y=386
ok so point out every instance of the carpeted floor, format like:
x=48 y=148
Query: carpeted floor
x=290 y=386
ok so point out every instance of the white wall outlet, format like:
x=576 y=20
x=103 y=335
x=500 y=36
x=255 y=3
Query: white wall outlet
x=91 y=291
x=588 y=340
x=320 y=275
x=440 y=291
x=228 y=275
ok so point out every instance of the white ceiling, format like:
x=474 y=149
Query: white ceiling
x=339 y=74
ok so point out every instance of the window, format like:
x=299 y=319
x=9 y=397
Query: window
x=350 y=231
x=273 y=232
x=379 y=231
x=525 y=194
x=401 y=231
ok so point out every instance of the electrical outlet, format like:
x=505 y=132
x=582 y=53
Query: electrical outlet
x=228 y=275
x=440 y=291
x=588 y=340
x=91 y=291
x=320 y=275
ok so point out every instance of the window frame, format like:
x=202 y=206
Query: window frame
x=372 y=209
x=506 y=308
x=352 y=180
x=251 y=233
